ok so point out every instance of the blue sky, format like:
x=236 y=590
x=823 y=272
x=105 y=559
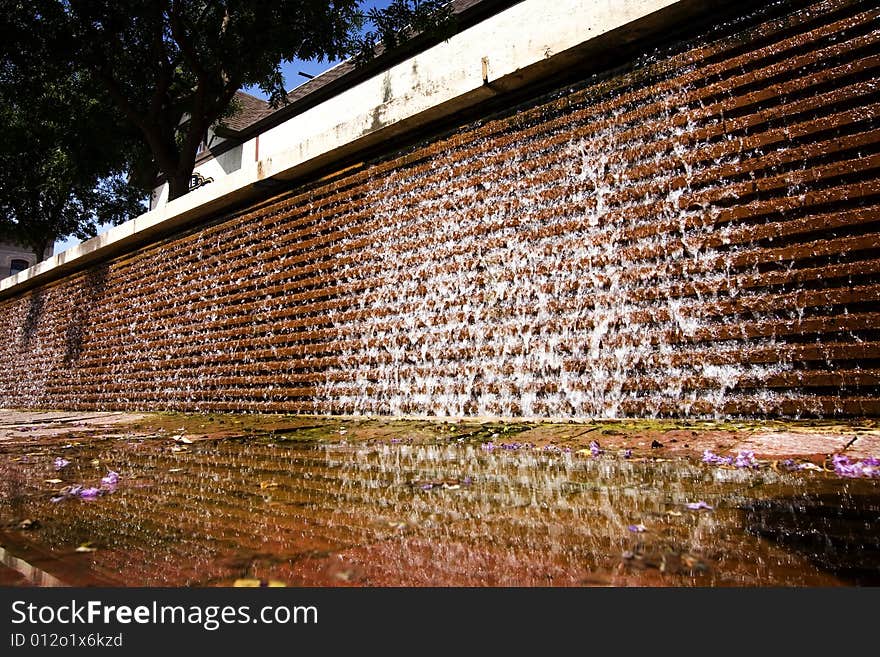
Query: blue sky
x=292 y=79
x=291 y=70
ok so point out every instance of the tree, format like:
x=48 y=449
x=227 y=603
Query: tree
x=65 y=154
x=172 y=67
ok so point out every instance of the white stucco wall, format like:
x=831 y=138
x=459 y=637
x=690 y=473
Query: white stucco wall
x=520 y=44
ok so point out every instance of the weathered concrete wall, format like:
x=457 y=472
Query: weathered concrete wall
x=695 y=236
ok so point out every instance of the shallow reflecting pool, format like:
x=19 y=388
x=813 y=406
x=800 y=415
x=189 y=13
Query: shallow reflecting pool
x=286 y=509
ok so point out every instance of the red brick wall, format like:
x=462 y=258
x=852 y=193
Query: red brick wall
x=696 y=236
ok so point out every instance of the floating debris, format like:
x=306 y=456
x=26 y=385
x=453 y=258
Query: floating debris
x=746 y=459
x=790 y=465
x=61 y=463
x=846 y=467
x=743 y=459
x=258 y=583
x=710 y=457
x=696 y=506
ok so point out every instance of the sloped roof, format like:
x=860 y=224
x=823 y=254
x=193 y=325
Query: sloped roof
x=249 y=110
x=256 y=115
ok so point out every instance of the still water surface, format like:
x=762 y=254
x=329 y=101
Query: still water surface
x=275 y=509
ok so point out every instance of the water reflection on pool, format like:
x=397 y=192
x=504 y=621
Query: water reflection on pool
x=309 y=513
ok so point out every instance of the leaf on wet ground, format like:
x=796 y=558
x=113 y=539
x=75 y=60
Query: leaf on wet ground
x=54 y=481
x=88 y=546
x=268 y=484
x=258 y=583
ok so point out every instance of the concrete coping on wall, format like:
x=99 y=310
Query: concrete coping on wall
x=526 y=42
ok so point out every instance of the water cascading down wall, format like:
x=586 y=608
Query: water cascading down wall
x=694 y=236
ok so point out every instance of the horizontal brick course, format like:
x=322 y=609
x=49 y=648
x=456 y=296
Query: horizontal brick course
x=695 y=236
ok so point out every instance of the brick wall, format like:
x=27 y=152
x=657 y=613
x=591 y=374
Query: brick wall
x=694 y=235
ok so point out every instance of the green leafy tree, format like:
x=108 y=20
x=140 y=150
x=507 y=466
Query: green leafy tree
x=65 y=153
x=172 y=67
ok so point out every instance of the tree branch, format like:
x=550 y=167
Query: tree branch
x=178 y=31
x=166 y=68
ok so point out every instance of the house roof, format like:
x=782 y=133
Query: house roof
x=256 y=115
x=249 y=110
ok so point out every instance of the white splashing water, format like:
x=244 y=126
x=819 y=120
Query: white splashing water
x=484 y=310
